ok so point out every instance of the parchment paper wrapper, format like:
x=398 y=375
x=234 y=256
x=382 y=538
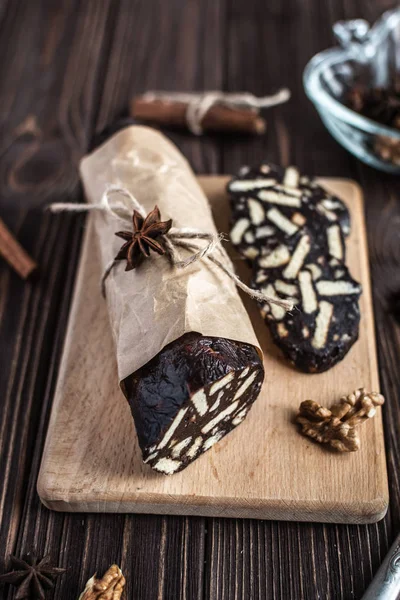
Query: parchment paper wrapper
x=156 y=304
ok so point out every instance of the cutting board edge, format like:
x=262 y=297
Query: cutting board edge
x=364 y=513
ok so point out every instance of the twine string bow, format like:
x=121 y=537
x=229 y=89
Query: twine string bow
x=198 y=104
x=190 y=240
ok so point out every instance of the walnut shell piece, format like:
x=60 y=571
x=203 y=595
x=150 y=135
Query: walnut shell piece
x=108 y=587
x=337 y=426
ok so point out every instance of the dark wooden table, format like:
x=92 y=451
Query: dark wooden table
x=67 y=70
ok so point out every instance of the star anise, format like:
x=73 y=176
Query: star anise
x=145 y=236
x=31 y=576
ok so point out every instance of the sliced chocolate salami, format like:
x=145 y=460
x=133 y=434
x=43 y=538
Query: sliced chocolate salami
x=324 y=324
x=293 y=232
x=270 y=204
x=194 y=392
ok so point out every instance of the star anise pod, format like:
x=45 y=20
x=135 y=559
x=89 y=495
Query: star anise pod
x=145 y=236
x=31 y=576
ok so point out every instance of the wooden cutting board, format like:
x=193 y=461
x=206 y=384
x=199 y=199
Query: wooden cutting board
x=264 y=469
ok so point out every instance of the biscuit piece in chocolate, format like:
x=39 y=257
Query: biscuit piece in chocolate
x=293 y=232
x=187 y=398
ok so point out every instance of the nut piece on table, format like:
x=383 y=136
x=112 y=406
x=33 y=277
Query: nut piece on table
x=109 y=587
x=337 y=426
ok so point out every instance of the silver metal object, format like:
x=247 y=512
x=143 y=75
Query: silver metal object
x=386 y=583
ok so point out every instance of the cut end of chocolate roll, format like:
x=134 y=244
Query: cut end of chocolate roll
x=194 y=392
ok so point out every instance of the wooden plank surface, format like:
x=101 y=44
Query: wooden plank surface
x=264 y=469
x=69 y=68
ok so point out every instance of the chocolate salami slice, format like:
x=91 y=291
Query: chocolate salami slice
x=194 y=392
x=324 y=324
x=293 y=232
x=270 y=204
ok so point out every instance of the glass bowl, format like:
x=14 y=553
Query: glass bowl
x=366 y=56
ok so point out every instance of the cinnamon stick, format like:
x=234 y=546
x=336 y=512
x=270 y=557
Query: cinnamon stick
x=218 y=118
x=14 y=254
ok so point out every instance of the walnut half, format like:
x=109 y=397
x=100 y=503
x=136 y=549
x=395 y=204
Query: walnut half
x=337 y=426
x=109 y=587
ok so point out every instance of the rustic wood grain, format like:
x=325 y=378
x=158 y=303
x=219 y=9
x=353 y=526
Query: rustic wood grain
x=92 y=461
x=68 y=69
